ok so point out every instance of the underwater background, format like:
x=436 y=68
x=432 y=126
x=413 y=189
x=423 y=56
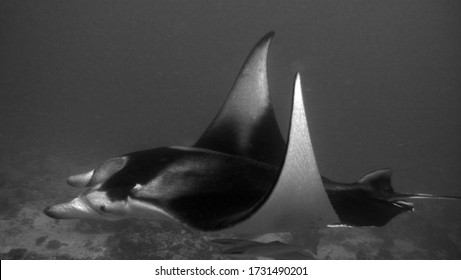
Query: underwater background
x=83 y=81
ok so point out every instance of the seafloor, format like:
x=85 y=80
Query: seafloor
x=31 y=181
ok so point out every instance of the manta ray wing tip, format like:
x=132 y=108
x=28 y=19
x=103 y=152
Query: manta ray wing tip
x=269 y=35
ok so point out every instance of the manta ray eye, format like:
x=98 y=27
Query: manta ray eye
x=102 y=208
x=137 y=187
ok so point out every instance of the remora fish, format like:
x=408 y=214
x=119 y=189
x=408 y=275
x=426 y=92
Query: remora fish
x=239 y=177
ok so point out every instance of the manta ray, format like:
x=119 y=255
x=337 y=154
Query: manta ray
x=241 y=176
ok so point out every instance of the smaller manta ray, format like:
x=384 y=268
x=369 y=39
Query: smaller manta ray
x=239 y=177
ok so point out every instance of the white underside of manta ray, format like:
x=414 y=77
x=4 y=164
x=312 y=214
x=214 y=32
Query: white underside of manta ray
x=239 y=177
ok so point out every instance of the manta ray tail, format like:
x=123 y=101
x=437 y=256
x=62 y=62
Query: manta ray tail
x=379 y=182
x=426 y=196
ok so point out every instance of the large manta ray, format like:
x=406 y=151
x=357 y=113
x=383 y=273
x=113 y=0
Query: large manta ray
x=239 y=177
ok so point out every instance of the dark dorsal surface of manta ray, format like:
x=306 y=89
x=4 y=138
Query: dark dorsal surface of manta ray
x=239 y=177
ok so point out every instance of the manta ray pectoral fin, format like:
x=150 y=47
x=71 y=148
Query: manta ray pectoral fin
x=299 y=200
x=246 y=124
